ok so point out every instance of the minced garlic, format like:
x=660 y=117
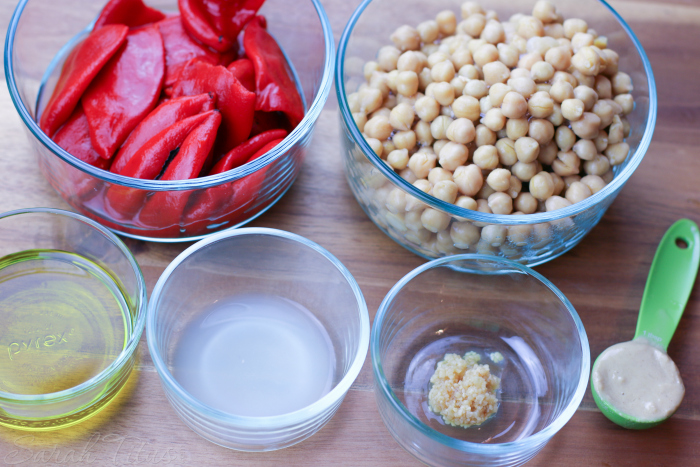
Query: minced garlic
x=463 y=391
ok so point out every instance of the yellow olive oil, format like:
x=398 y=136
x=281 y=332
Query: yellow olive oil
x=63 y=320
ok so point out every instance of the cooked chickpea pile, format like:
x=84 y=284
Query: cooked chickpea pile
x=513 y=117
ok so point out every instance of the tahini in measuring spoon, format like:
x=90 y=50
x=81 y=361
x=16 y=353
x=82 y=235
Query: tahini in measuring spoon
x=635 y=384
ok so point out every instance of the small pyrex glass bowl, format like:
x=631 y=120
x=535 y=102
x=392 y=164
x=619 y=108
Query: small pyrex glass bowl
x=262 y=262
x=66 y=232
x=528 y=239
x=42 y=33
x=487 y=305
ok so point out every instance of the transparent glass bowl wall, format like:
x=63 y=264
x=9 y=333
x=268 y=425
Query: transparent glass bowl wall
x=479 y=303
x=53 y=229
x=549 y=234
x=267 y=262
x=36 y=42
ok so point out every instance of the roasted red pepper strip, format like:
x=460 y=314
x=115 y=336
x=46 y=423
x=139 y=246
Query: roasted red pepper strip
x=82 y=65
x=125 y=90
x=244 y=151
x=236 y=103
x=74 y=137
x=166 y=114
x=243 y=70
x=275 y=88
x=216 y=205
x=131 y=13
x=195 y=20
x=148 y=162
x=165 y=208
x=229 y=17
x=180 y=48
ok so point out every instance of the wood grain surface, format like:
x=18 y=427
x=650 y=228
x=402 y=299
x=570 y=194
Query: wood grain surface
x=603 y=276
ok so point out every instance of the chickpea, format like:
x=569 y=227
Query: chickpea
x=561 y=91
x=474 y=45
x=520 y=73
x=586 y=95
x=517 y=128
x=500 y=203
x=379 y=81
x=566 y=163
x=605 y=110
x=383 y=112
x=438 y=174
x=580 y=40
x=565 y=138
x=497 y=92
x=407 y=83
x=407 y=175
x=493 y=32
x=524 y=171
x=542 y=186
x=444 y=93
x=608 y=176
x=556 y=202
x=424 y=79
x=626 y=101
x=466 y=107
x=540 y=105
x=485 y=54
x=559 y=58
x=360 y=120
x=572 y=109
x=453 y=155
x=458 y=83
x=445 y=190
x=577 y=192
x=514 y=105
x=439 y=144
x=529 y=26
x=412 y=220
x=469 y=179
x=420 y=237
x=476 y=88
x=598 y=166
x=622 y=83
x=616 y=134
x=494 y=235
x=396 y=201
x=387 y=146
x=525 y=203
x=428 y=49
x=545 y=11
x=443 y=71
x=541 y=130
x=495 y=72
x=574 y=25
x=391 y=101
x=571 y=179
x=466 y=202
x=555 y=30
x=470 y=72
x=494 y=119
x=485 y=104
x=564 y=76
x=411 y=61
x=617 y=153
x=398 y=159
x=420 y=163
x=484 y=193
x=370 y=99
x=541 y=71
x=583 y=79
x=427 y=109
x=585 y=149
x=548 y=153
x=401 y=117
x=434 y=220
x=594 y=183
x=464 y=235
x=439 y=127
x=378 y=127
x=444 y=243
x=447 y=22
x=376 y=146
x=461 y=57
x=474 y=24
x=387 y=57
x=423 y=133
x=524 y=85
x=526 y=149
x=485 y=136
x=486 y=157
x=428 y=31
x=461 y=131
x=508 y=55
x=603 y=87
x=506 y=151
x=499 y=180
x=404 y=139
x=401 y=99
x=601 y=141
x=528 y=60
x=587 y=127
x=586 y=61
x=516 y=186
x=612 y=60
x=626 y=126
x=406 y=38
x=556 y=118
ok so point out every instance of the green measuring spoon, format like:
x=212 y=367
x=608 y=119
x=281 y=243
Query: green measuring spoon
x=668 y=287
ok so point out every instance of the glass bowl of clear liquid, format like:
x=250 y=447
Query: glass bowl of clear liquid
x=257 y=335
x=516 y=322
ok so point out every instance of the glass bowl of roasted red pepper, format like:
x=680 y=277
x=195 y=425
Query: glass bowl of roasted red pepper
x=171 y=119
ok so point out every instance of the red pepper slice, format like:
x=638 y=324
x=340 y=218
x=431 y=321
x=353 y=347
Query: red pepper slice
x=180 y=48
x=229 y=17
x=74 y=137
x=243 y=70
x=164 y=209
x=236 y=103
x=147 y=163
x=125 y=91
x=163 y=116
x=131 y=13
x=245 y=151
x=82 y=65
x=197 y=24
x=274 y=85
x=226 y=202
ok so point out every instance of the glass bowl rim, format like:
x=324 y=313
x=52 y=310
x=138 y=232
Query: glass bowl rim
x=297 y=135
x=303 y=415
x=133 y=341
x=505 y=219
x=540 y=437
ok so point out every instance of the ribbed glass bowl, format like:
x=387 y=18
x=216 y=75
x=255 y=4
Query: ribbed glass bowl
x=63 y=231
x=42 y=32
x=549 y=234
x=483 y=304
x=264 y=262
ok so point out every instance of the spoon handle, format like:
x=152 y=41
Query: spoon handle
x=670 y=282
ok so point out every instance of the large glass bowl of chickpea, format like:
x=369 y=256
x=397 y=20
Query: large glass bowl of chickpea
x=504 y=128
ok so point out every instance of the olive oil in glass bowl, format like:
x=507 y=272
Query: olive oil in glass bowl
x=72 y=304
